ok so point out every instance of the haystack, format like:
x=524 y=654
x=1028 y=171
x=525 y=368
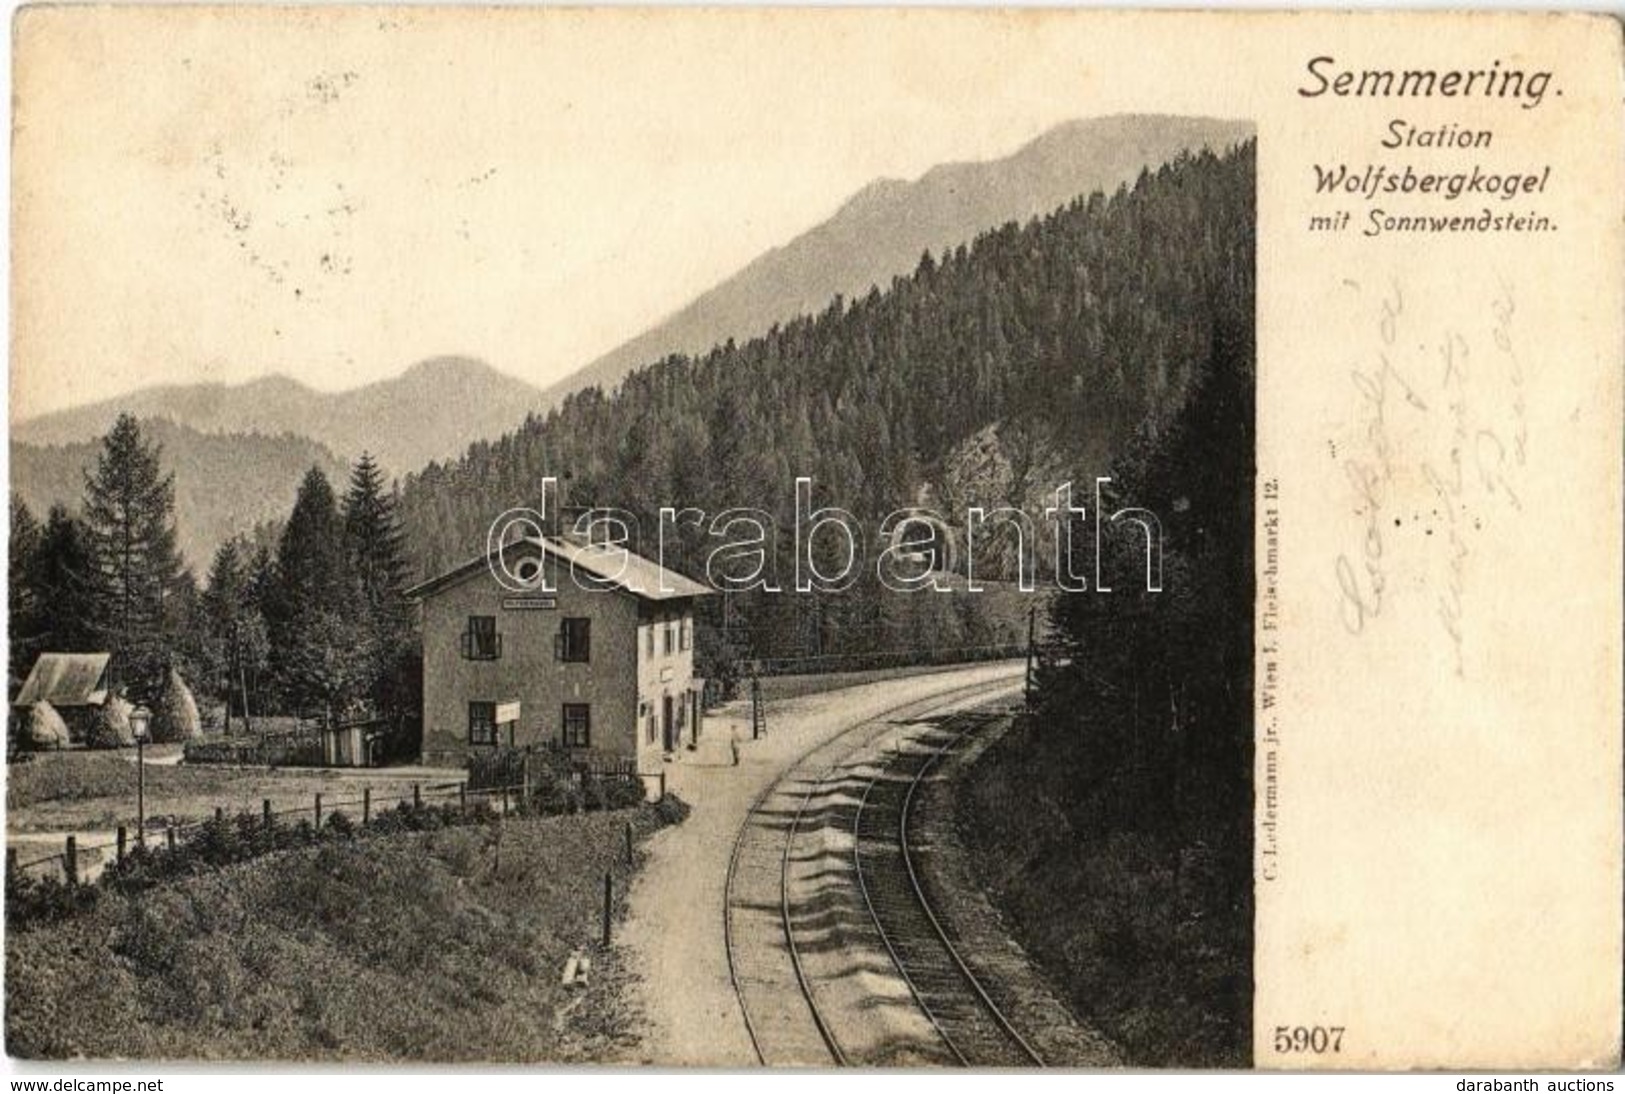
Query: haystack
x=108 y=726
x=175 y=718
x=43 y=728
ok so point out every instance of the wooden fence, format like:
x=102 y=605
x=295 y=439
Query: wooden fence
x=372 y=742
x=882 y=659
x=532 y=766
x=76 y=860
x=296 y=748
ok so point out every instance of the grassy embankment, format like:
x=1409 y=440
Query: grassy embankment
x=1146 y=937
x=429 y=946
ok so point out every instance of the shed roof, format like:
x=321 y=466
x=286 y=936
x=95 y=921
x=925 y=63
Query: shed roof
x=616 y=566
x=66 y=680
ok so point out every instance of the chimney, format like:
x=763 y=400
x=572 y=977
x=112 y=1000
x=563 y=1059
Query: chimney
x=568 y=516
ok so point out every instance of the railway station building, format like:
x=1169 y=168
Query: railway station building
x=597 y=661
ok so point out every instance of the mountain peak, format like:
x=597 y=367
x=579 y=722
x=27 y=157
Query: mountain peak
x=276 y=382
x=448 y=367
x=881 y=230
x=432 y=411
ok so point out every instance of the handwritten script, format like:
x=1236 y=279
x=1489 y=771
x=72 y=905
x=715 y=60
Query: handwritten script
x=1441 y=442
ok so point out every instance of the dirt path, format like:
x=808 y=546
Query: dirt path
x=673 y=932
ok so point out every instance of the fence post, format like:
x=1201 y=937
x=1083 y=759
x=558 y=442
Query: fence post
x=662 y=786
x=524 y=774
x=609 y=901
x=123 y=838
x=318 y=812
x=220 y=813
x=417 y=796
x=366 y=806
x=169 y=836
x=462 y=798
x=70 y=860
x=629 y=843
x=504 y=799
x=265 y=811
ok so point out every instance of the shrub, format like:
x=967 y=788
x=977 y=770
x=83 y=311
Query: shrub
x=554 y=796
x=671 y=810
x=339 y=824
x=622 y=794
x=223 y=841
x=33 y=900
x=442 y=948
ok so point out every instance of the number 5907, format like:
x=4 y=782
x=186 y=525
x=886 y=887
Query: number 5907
x=1308 y=1039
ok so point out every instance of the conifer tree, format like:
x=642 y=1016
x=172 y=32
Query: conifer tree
x=374 y=541
x=129 y=512
x=312 y=560
x=60 y=579
x=22 y=601
x=376 y=555
x=259 y=591
x=235 y=643
x=313 y=603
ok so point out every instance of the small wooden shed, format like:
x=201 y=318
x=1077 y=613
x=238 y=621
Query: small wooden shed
x=75 y=684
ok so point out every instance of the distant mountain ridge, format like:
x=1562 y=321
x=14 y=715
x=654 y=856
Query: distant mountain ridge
x=881 y=231
x=225 y=483
x=432 y=411
x=439 y=407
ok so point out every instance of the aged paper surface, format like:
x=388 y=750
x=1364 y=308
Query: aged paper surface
x=1445 y=782
x=213 y=194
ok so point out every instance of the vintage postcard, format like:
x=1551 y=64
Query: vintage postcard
x=814 y=538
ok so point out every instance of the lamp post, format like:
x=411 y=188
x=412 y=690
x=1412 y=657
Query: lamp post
x=140 y=720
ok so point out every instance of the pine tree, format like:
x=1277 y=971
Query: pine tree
x=311 y=561
x=259 y=573
x=235 y=643
x=313 y=606
x=22 y=601
x=60 y=577
x=183 y=625
x=374 y=541
x=376 y=556
x=259 y=590
x=129 y=511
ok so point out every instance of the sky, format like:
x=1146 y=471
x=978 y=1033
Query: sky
x=335 y=194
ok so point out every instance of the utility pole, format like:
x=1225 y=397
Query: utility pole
x=140 y=726
x=758 y=716
x=1032 y=633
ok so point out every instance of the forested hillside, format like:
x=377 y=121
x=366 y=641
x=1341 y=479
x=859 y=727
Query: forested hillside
x=1136 y=762
x=881 y=230
x=1060 y=340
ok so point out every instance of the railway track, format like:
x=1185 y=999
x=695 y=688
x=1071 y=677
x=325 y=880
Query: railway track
x=974 y=1028
x=827 y=924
